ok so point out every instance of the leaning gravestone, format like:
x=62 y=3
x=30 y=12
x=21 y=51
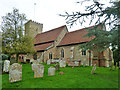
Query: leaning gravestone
x=62 y=63
x=48 y=62
x=6 y=66
x=38 y=71
x=15 y=73
x=57 y=67
x=93 y=70
x=51 y=71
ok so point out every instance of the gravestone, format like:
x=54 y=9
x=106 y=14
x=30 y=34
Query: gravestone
x=31 y=60
x=39 y=60
x=62 y=63
x=34 y=64
x=61 y=73
x=71 y=63
x=24 y=58
x=15 y=73
x=51 y=71
x=84 y=62
x=38 y=71
x=48 y=62
x=57 y=67
x=6 y=66
x=76 y=63
x=93 y=70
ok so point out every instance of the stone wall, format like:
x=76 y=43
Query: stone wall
x=54 y=49
x=72 y=52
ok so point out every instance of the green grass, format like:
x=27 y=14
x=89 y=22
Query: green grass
x=77 y=77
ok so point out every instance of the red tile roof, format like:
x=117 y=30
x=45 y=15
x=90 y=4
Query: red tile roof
x=75 y=37
x=49 y=35
x=42 y=46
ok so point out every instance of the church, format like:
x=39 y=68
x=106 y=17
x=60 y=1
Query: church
x=60 y=44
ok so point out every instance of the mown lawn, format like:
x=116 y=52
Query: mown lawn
x=77 y=77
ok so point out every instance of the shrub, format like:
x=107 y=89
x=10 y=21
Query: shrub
x=3 y=57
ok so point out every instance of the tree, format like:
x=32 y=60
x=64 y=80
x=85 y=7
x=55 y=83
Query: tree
x=108 y=16
x=14 y=40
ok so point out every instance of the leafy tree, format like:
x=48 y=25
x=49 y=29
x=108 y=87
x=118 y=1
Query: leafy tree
x=96 y=12
x=14 y=40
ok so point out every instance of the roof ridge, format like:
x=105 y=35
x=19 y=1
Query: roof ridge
x=51 y=30
x=81 y=29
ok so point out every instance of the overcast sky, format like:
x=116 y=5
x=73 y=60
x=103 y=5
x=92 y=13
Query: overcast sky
x=44 y=11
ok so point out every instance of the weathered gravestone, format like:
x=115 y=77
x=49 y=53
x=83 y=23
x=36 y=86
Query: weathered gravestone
x=24 y=58
x=15 y=73
x=71 y=63
x=32 y=60
x=61 y=73
x=62 y=63
x=57 y=67
x=84 y=62
x=51 y=71
x=93 y=70
x=39 y=60
x=6 y=66
x=76 y=63
x=48 y=62
x=34 y=64
x=38 y=71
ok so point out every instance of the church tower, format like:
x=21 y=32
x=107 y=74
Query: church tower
x=33 y=28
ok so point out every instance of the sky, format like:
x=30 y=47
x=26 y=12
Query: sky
x=45 y=11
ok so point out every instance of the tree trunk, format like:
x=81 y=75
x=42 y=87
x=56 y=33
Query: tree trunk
x=116 y=66
x=17 y=56
x=111 y=67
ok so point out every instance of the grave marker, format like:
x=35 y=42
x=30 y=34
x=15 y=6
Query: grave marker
x=15 y=73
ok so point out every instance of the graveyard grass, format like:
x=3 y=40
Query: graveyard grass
x=77 y=77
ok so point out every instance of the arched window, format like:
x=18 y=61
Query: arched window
x=22 y=57
x=50 y=55
x=62 y=53
x=19 y=57
x=83 y=52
